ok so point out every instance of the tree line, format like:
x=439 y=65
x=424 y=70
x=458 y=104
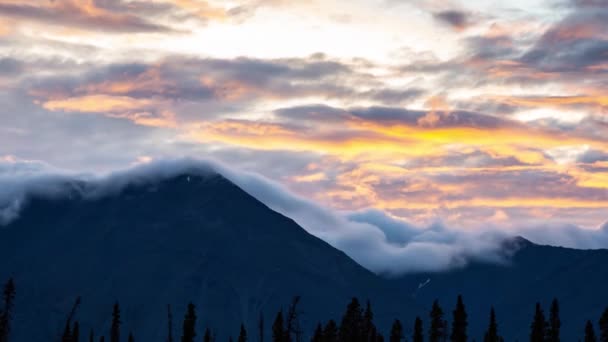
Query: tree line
x=356 y=325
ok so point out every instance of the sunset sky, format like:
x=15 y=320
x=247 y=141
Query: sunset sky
x=474 y=113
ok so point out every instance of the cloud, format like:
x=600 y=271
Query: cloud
x=82 y=14
x=458 y=20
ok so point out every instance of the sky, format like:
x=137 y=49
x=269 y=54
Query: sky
x=474 y=114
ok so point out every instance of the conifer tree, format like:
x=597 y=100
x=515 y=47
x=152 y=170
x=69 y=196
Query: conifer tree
x=76 y=332
x=115 y=329
x=554 y=322
x=131 y=338
x=242 y=334
x=7 y=311
x=418 y=335
x=207 y=336
x=491 y=334
x=351 y=328
x=261 y=327
x=102 y=339
x=459 y=325
x=278 y=328
x=318 y=334
x=292 y=323
x=189 y=326
x=438 y=328
x=169 y=324
x=67 y=333
x=538 y=327
x=396 y=332
x=590 y=333
x=369 y=328
x=91 y=336
x=604 y=326
x=330 y=332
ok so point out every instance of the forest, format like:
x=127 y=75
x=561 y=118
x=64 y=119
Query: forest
x=356 y=325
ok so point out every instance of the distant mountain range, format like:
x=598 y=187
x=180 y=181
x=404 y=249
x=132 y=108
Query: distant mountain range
x=200 y=238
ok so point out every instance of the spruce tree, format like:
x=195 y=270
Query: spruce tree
x=330 y=332
x=7 y=312
x=418 y=335
x=169 y=324
x=189 y=326
x=102 y=339
x=318 y=334
x=67 y=333
x=554 y=323
x=369 y=328
x=115 y=329
x=590 y=332
x=604 y=326
x=537 y=329
x=242 y=334
x=459 y=325
x=207 y=335
x=76 y=332
x=278 y=328
x=92 y=336
x=131 y=338
x=438 y=328
x=396 y=332
x=491 y=334
x=261 y=327
x=351 y=328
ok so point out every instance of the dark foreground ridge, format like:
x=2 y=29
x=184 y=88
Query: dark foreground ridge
x=201 y=239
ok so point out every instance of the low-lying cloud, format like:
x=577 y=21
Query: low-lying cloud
x=377 y=241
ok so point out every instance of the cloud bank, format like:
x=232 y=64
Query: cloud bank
x=374 y=239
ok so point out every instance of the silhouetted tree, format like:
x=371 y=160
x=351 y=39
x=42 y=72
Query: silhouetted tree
x=318 y=334
x=242 y=334
x=352 y=323
x=396 y=332
x=590 y=333
x=102 y=339
x=418 y=335
x=330 y=332
x=131 y=338
x=554 y=322
x=169 y=324
x=91 y=336
x=115 y=329
x=491 y=334
x=7 y=311
x=76 y=332
x=438 y=328
x=459 y=325
x=292 y=325
x=67 y=333
x=538 y=327
x=189 y=325
x=261 y=327
x=369 y=328
x=207 y=337
x=278 y=328
x=604 y=326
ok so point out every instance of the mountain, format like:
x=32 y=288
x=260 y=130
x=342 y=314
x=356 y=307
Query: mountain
x=534 y=273
x=191 y=237
x=198 y=237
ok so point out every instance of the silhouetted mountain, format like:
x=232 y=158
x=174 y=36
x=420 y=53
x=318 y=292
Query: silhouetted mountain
x=202 y=239
x=577 y=278
x=186 y=238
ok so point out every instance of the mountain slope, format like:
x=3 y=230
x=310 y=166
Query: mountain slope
x=186 y=238
x=535 y=273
